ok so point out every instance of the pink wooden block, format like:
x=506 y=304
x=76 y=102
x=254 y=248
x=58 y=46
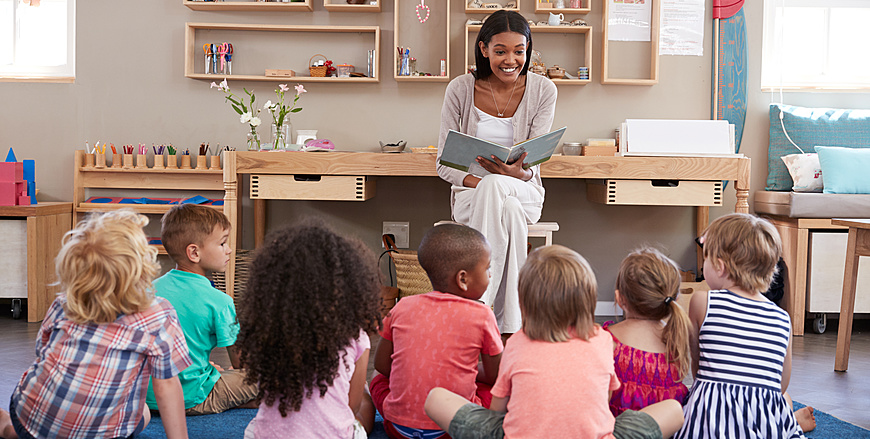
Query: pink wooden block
x=11 y=171
x=8 y=194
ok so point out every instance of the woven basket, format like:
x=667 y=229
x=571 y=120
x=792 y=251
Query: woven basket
x=317 y=71
x=243 y=264
x=411 y=279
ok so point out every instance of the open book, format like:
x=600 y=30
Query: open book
x=461 y=151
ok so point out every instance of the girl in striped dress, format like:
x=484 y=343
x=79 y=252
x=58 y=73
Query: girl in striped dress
x=740 y=341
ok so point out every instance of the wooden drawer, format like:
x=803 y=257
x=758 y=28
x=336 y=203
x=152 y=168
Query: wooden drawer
x=312 y=187
x=655 y=192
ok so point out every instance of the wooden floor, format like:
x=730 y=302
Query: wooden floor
x=813 y=381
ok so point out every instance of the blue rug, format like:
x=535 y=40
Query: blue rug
x=231 y=425
x=228 y=425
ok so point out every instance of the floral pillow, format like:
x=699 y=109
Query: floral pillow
x=805 y=171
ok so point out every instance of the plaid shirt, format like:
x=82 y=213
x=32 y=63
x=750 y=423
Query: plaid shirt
x=89 y=380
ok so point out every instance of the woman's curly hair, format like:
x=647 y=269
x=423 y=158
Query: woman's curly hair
x=309 y=292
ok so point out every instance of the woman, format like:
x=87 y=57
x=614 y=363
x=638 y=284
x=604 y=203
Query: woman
x=501 y=103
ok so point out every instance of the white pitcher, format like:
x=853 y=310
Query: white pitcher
x=555 y=19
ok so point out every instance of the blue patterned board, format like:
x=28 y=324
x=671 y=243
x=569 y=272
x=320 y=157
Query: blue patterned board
x=731 y=87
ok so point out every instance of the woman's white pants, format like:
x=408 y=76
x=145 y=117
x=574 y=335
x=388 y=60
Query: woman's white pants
x=501 y=208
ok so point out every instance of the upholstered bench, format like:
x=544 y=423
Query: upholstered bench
x=804 y=222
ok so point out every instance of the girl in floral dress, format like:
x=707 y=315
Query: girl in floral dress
x=651 y=346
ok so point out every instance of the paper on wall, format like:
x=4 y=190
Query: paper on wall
x=629 y=20
x=682 y=28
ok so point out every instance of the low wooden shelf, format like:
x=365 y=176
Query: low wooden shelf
x=343 y=6
x=304 y=6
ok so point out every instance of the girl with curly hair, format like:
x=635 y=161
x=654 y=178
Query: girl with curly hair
x=311 y=298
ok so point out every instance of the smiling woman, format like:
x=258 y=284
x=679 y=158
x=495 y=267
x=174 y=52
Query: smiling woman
x=38 y=40
x=501 y=103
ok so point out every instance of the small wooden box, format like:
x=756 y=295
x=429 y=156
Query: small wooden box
x=280 y=73
x=312 y=187
x=600 y=151
x=655 y=192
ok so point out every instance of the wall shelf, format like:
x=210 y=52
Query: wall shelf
x=429 y=47
x=539 y=9
x=585 y=31
x=304 y=6
x=343 y=6
x=469 y=10
x=244 y=43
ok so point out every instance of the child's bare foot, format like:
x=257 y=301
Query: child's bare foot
x=6 y=430
x=805 y=418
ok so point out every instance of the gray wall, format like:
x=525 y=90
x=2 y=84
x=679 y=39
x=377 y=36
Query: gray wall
x=130 y=88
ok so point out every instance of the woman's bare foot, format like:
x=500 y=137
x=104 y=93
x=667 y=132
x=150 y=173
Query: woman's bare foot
x=805 y=418
x=6 y=430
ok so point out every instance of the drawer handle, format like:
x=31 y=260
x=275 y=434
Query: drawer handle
x=665 y=183
x=304 y=177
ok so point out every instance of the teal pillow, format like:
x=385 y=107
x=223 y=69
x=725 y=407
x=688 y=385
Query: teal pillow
x=845 y=170
x=809 y=127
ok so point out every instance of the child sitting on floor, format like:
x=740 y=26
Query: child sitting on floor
x=196 y=239
x=100 y=341
x=311 y=298
x=740 y=341
x=652 y=343
x=557 y=373
x=435 y=339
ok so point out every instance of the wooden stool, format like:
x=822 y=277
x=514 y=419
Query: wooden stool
x=538 y=230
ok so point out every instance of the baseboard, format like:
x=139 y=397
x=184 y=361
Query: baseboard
x=607 y=309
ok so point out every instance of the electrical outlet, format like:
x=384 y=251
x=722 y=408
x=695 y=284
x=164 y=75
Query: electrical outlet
x=400 y=230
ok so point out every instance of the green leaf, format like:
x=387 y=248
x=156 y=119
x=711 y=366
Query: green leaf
x=295 y=110
x=238 y=110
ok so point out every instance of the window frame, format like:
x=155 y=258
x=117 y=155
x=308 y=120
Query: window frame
x=49 y=74
x=770 y=68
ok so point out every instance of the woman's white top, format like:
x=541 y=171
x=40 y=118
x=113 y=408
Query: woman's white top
x=495 y=129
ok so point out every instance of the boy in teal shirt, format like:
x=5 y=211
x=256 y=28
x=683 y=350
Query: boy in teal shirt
x=196 y=239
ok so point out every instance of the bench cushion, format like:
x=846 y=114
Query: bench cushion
x=812 y=205
x=809 y=127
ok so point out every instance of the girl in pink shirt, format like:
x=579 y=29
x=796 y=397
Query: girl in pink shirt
x=652 y=344
x=556 y=374
x=311 y=299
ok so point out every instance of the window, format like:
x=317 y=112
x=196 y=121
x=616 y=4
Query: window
x=810 y=44
x=37 y=40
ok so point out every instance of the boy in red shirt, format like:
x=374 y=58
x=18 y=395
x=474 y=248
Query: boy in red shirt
x=435 y=339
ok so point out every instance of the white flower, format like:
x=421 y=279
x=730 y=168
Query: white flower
x=300 y=89
x=283 y=87
x=223 y=85
x=245 y=118
x=267 y=105
x=255 y=121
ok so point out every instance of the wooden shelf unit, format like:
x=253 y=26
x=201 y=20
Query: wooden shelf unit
x=567 y=11
x=187 y=182
x=343 y=6
x=304 y=6
x=488 y=11
x=586 y=31
x=653 y=76
x=192 y=51
x=397 y=43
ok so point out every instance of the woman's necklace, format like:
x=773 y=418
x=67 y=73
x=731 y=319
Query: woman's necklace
x=501 y=113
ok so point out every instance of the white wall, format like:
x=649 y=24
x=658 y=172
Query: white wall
x=130 y=88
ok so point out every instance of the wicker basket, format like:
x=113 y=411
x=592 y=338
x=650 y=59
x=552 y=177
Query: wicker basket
x=317 y=71
x=411 y=279
x=243 y=263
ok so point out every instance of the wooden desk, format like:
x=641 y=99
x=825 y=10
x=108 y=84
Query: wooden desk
x=46 y=224
x=238 y=163
x=859 y=245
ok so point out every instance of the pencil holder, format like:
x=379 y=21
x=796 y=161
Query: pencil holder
x=172 y=161
x=100 y=162
x=116 y=160
x=215 y=162
x=185 y=161
x=89 y=160
x=141 y=161
x=200 y=162
x=128 y=161
x=158 y=161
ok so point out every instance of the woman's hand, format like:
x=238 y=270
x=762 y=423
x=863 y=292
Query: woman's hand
x=515 y=169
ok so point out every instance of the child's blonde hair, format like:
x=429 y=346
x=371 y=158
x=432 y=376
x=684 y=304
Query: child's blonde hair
x=749 y=247
x=106 y=266
x=557 y=291
x=649 y=283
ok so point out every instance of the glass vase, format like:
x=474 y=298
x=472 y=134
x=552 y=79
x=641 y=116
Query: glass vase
x=280 y=137
x=253 y=141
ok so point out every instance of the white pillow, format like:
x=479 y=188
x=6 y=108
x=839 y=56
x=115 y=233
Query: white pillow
x=806 y=172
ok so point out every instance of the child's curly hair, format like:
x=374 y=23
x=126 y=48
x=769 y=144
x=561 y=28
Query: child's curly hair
x=310 y=291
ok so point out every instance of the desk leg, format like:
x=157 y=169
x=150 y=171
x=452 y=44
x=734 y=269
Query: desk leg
x=259 y=222
x=702 y=220
x=799 y=294
x=232 y=211
x=741 y=186
x=847 y=303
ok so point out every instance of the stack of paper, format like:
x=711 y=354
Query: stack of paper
x=660 y=137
